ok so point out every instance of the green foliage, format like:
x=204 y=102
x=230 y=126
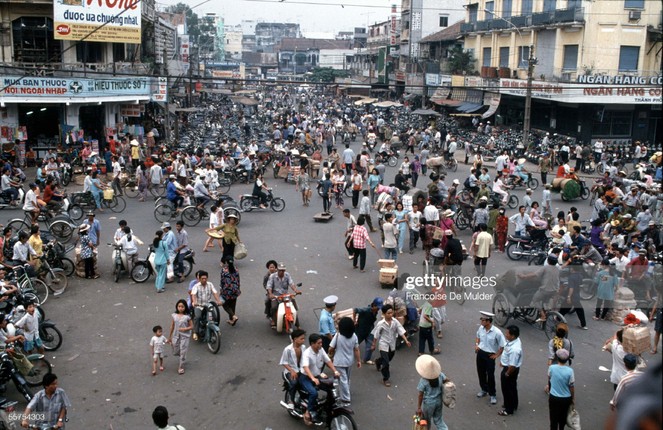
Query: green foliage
x=327 y=74
x=460 y=61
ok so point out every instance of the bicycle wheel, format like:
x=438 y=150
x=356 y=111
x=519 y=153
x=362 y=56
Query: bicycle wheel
x=533 y=183
x=40 y=289
x=462 y=222
x=19 y=225
x=513 y=201
x=50 y=337
x=118 y=204
x=131 y=191
x=157 y=190
x=75 y=212
x=224 y=185
x=40 y=367
x=57 y=281
x=67 y=266
x=246 y=205
x=61 y=230
x=552 y=319
x=163 y=213
x=587 y=290
x=501 y=309
x=454 y=165
x=191 y=216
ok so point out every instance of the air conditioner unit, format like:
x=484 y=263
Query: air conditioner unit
x=634 y=15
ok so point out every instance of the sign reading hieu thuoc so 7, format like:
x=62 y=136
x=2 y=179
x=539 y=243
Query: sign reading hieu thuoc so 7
x=78 y=19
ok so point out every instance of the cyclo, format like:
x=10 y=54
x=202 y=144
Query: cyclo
x=513 y=298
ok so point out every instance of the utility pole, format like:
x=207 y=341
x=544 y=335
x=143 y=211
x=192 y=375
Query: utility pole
x=527 y=120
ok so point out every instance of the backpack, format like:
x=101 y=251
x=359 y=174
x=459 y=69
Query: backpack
x=466 y=184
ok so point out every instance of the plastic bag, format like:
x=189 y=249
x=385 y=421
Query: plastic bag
x=449 y=395
x=573 y=418
x=240 y=251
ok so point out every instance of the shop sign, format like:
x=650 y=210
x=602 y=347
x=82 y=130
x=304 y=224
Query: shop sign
x=612 y=142
x=400 y=76
x=432 y=79
x=115 y=21
x=162 y=91
x=77 y=87
x=134 y=110
x=585 y=93
x=620 y=80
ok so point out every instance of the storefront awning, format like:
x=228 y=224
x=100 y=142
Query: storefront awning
x=441 y=94
x=493 y=102
x=469 y=107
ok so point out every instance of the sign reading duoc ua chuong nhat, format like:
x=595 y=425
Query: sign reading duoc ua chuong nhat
x=97 y=20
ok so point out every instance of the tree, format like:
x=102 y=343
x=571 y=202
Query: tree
x=191 y=18
x=460 y=61
x=327 y=74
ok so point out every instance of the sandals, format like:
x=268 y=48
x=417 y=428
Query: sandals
x=386 y=383
x=503 y=413
x=180 y=371
x=234 y=321
x=437 y=351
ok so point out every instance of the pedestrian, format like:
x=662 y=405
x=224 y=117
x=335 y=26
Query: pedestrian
x=359 y=239
x=303 y=186
x=614 y=346
x=547 y=199
x=48 y=406
x=364 y=319
x=230 y=235
x=401 y=223
x=426 y=330
x=344 y=350
x=385 y=335
x=87 y=251
x=501 y=229
x=573 y=301
x=156 y=348
x=352 y=221
x=95 y=229
x=160 y=417
x=142 y=179
x=482 y=247
x=431 y=391
x=527 y=200
x=560 y=341
x=605 y=292
x=357 y=183
x=326 y=326
x=229 y=286
x=545 y=167
x=160 y=261
x=182 y=246
x=181 y=326
x=326 y=189
x=373 y=181
x=488 y=347
x=511 y=360
x=413 y=219
x=657 y=312
x=390 y=243
x=632 y=374
x=560 y=390
x=215 y=218
x=365 y=210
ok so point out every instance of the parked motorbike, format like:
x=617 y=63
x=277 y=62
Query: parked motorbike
x=66 y=173
x=330 y=410
x=49 y=334
x=120 y=263
x=8 y=373
x=6 y=408
x=526 y=246
x=143 y=269
x=208 y=327
x=249 y=202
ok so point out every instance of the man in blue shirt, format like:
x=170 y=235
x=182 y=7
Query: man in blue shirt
x=95 y=228
x=175 y=196
x=326 y=324
x=511 y=360
x=488 y=347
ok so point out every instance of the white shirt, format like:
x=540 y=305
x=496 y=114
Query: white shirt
x=156 y=175
x=314 y=361
x=414 y=218
x=30 y=325
x=431 y=213
x=129 y=246
x=117 y=169
x=386 y=334
x=30 y=201
x=598 y=147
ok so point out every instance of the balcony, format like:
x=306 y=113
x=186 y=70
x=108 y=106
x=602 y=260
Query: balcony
x=484 y=25
x=467 y=27
x=542 y=18
x=521 y=21
x=576 y=14
x=499 y=24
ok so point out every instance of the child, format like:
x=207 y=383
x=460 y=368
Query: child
x=30 y=325
x=547 y=200
x=501 y=228
x=87 y=251
x=605 y=294
x=156 y=348
x=527 y=200
x=182 y=325
x=214 y=222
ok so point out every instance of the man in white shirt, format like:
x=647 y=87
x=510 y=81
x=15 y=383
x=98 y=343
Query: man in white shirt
x=521 y=220
x=313 y=359
x=598 y=151
x=117 y=170
x=291 y=359
x=431 y=213
x=202 y=293
x=32 y=202
x=200 y=193
x=156 y=176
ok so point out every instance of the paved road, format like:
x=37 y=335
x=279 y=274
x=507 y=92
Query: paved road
x=104 y=363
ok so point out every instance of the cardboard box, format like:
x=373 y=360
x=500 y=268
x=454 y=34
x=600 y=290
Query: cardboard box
x=383 y=262
x=388 y=275
x=636 y=340
x=342 y=314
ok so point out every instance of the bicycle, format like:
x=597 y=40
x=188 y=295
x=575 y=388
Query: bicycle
x=55 y=278
x=193 y=214
x=59 y=226
x=27 y=284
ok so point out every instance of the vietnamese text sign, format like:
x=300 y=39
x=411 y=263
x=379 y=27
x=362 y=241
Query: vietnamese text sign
x=162 y=91
x=58 y=87
x=78 y=19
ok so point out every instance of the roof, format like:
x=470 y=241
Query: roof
x=302 y=44
x=449 y=34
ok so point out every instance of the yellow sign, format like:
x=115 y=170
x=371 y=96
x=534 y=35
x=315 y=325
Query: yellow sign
x=116 y=21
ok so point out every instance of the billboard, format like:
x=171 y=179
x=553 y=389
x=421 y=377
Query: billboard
x=115 y=21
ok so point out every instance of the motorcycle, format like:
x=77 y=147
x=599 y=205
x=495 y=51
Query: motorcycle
x=5 y=199
x=521 y=246
x=208 y=327
x=56 y=253
x=512 y=181
x=120 y=262
x=8 y=373
x=286 y=314
x=249 y=202
x=6 y=408
x=330 y=410
x=143 y=269
x=49 y=334
x=66 y=173
x=391 y=157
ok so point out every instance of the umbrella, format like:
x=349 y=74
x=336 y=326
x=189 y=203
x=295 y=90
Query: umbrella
x=366 y=101
x=425 y=112
x=387 y=104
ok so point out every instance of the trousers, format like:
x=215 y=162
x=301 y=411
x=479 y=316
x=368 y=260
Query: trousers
x=510 y=390
x=486 y=372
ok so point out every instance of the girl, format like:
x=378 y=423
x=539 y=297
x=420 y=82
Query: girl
x=229 y=285
x=400 y=221
x=182 y=327
x=87 y=251
x=302 y=185
x=415 y=170
x=501 y=228
x=339 y=185
x=344 y=347
x=607 y=284
x=214 y=222
x=536 y=216
x=160 y=261
x=141 y=178
x=373 y=181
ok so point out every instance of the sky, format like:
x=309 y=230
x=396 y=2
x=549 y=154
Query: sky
x=314 y=16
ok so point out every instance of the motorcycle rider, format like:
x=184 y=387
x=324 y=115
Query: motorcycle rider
x=291 y=359
x=51 y=404
x=9 y=186
x=258 y=186
x=20 y=361
x=175 y=196
x=313 y=359
x=279 y=283
x=201 y=294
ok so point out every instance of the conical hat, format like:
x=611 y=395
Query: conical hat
x=428 y=367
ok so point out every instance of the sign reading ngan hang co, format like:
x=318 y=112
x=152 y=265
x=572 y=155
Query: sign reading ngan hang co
x=586 y=93
x=97 y=20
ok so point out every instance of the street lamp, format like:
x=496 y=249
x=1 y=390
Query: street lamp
x=531 y=62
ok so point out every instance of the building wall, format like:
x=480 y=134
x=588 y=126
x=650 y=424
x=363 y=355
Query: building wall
x=335 y=58
x=233 y=43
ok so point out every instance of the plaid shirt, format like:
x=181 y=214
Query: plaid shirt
x=359 y=237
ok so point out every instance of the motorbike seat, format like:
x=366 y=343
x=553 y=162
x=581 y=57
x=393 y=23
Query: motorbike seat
x=519 y=238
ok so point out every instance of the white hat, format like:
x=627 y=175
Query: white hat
x=83 y=228
x=428 y=367
x=134 y=142
x=172 y=177
x=521 y=161
x=304 y=155
x=528 y=190
x=330 y=300
x=448 y=213
x=485 y=314
x=448 y=233
x=483 y=199
x=456 y=182
x=165 y=225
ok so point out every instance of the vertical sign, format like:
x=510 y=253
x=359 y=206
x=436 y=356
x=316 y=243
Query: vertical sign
x=162 y=91
x=393 y=25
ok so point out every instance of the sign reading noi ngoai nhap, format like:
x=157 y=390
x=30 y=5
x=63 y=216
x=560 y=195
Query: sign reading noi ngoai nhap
x=114 y=20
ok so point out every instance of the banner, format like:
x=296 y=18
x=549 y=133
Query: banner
x=116 y=21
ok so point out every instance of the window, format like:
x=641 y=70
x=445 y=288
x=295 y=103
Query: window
x=572 y=4
x=490 y=7
x=89 y=52
x=506 y=8
x=33 y=41
x=523 y=57
x=613 y=123
x=628 y=58
x=526 y=7
x=504 y=56
x=444 y=21
x=473 y=9
x=634 y=4
x=570 y=57
x=486 y=57
x=119 y=52
x=549 y=5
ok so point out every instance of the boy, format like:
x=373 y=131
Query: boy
x=156 y=348
x=30 y=325
x=291 y=359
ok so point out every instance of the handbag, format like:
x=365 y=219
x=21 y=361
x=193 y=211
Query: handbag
x=356 y=187
x=240 y=251
x=449 y=395
x=573 y=418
